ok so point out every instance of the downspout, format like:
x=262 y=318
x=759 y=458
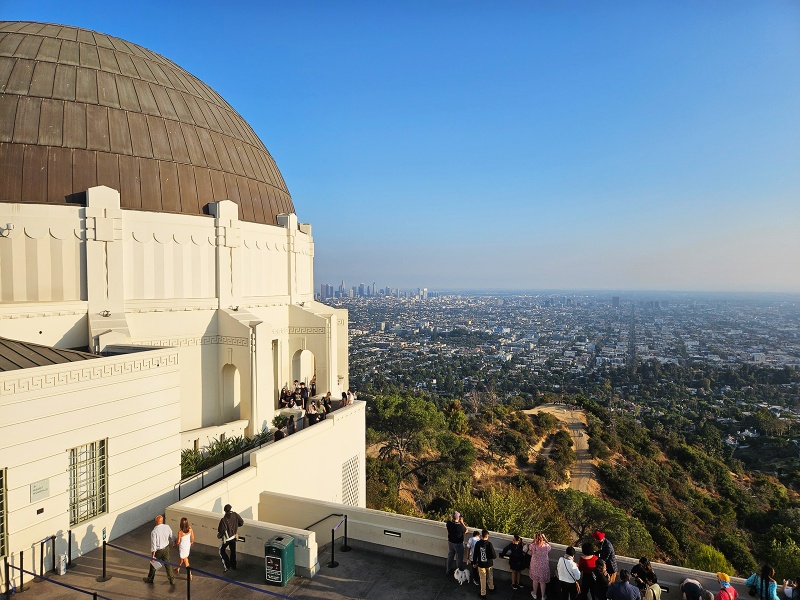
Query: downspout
x=253 y=379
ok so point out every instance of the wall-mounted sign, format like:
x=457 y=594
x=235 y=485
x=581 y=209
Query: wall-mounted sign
x=40 y=490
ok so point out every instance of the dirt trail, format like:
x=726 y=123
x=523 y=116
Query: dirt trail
x=582 y=474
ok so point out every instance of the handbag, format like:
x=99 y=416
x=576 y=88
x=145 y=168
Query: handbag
x=577 y=584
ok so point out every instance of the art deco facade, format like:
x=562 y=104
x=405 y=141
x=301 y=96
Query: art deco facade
x=143 y=223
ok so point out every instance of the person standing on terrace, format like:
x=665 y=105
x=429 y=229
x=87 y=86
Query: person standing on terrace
x=607 y=555
x=765 y=586
x=539 y=571
x=456 y=528
x=726 y=590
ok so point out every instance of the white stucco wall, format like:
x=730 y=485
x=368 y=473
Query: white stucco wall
x=325 y=462
x=233 y=302
x=133 y=401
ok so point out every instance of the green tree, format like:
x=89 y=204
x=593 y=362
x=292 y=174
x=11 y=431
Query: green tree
x=784 y=556
x=585 y=513
x=512 y=511
x=404 y=424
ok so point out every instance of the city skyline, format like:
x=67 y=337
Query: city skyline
x=513 y=146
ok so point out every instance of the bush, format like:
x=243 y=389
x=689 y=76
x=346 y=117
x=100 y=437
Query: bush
x=705 y=558
x=737 y=553
x=512 y=511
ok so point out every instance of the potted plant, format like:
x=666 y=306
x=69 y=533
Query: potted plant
x=279 y=421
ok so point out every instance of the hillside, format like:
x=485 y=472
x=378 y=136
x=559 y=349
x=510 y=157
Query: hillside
x=659 y=493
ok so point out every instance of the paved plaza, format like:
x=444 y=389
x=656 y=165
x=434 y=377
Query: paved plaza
x=360 y=574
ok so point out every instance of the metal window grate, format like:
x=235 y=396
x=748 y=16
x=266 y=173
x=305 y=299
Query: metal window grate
x=350 y=482
x=3 y=530
x=87 y=482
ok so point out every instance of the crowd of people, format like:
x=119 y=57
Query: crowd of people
x=595 y=575
x=302 y=397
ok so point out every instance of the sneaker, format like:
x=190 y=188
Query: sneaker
x=476 y=582
x=514 y=586
x=533 y=595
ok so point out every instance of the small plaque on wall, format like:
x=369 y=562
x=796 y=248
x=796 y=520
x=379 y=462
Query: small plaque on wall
x=40 y=490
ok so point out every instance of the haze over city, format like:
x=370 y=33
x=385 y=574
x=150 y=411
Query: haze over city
x=511 y=145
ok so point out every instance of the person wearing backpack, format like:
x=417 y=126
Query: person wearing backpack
x=484 y=555
x=726 y=590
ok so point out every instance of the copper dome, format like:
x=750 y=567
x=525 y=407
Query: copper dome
x=80 y=109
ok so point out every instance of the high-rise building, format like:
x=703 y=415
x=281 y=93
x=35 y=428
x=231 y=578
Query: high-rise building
x=615 y=301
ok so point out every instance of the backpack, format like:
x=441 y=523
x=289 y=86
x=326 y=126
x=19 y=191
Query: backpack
x=484 y=554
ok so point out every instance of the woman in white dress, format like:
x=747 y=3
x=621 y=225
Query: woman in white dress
x=184 y=544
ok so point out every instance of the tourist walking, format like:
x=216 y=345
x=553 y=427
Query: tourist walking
x=184 y=544
x=161 y=539
x=226 y=531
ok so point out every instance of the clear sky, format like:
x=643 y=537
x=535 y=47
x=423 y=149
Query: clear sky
x=519 y=145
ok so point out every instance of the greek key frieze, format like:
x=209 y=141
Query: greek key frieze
x=205 y=340
x=73 y=374
x=306 y=330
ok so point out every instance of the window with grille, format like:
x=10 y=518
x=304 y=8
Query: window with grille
x=87 y=482
x=3 y=535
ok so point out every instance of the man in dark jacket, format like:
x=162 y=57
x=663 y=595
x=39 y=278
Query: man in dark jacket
x=607 y=555
x=484 y=555
x=226 y=531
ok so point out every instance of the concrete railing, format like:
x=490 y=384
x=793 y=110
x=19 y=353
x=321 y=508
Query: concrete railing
x=252 y=537
x=424 y=540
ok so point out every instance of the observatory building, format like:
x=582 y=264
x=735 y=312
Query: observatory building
x=156 y=292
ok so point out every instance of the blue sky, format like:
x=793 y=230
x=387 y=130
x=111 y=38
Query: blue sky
x=519 y=145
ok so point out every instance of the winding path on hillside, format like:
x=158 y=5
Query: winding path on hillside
x=582 y=474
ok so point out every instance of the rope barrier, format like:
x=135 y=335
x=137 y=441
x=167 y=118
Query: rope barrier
x=206 y=573
x=66 y=585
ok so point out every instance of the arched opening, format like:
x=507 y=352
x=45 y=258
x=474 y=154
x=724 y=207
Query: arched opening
x=303 y=366
x=231 y=394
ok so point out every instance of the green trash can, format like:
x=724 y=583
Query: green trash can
x=279 y=559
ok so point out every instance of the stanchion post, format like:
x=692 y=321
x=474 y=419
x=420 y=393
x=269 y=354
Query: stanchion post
x=41 y=559
x=6 y=574
x=53 y=552
x=22 y=587
x=333 y=562
x=103 y=578
x=345 y=547
x=188 y=582
x=69 y=548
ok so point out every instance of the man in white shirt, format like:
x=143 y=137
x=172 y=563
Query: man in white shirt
x=161 y=539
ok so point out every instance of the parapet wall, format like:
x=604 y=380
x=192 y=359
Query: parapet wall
x=424 y=540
